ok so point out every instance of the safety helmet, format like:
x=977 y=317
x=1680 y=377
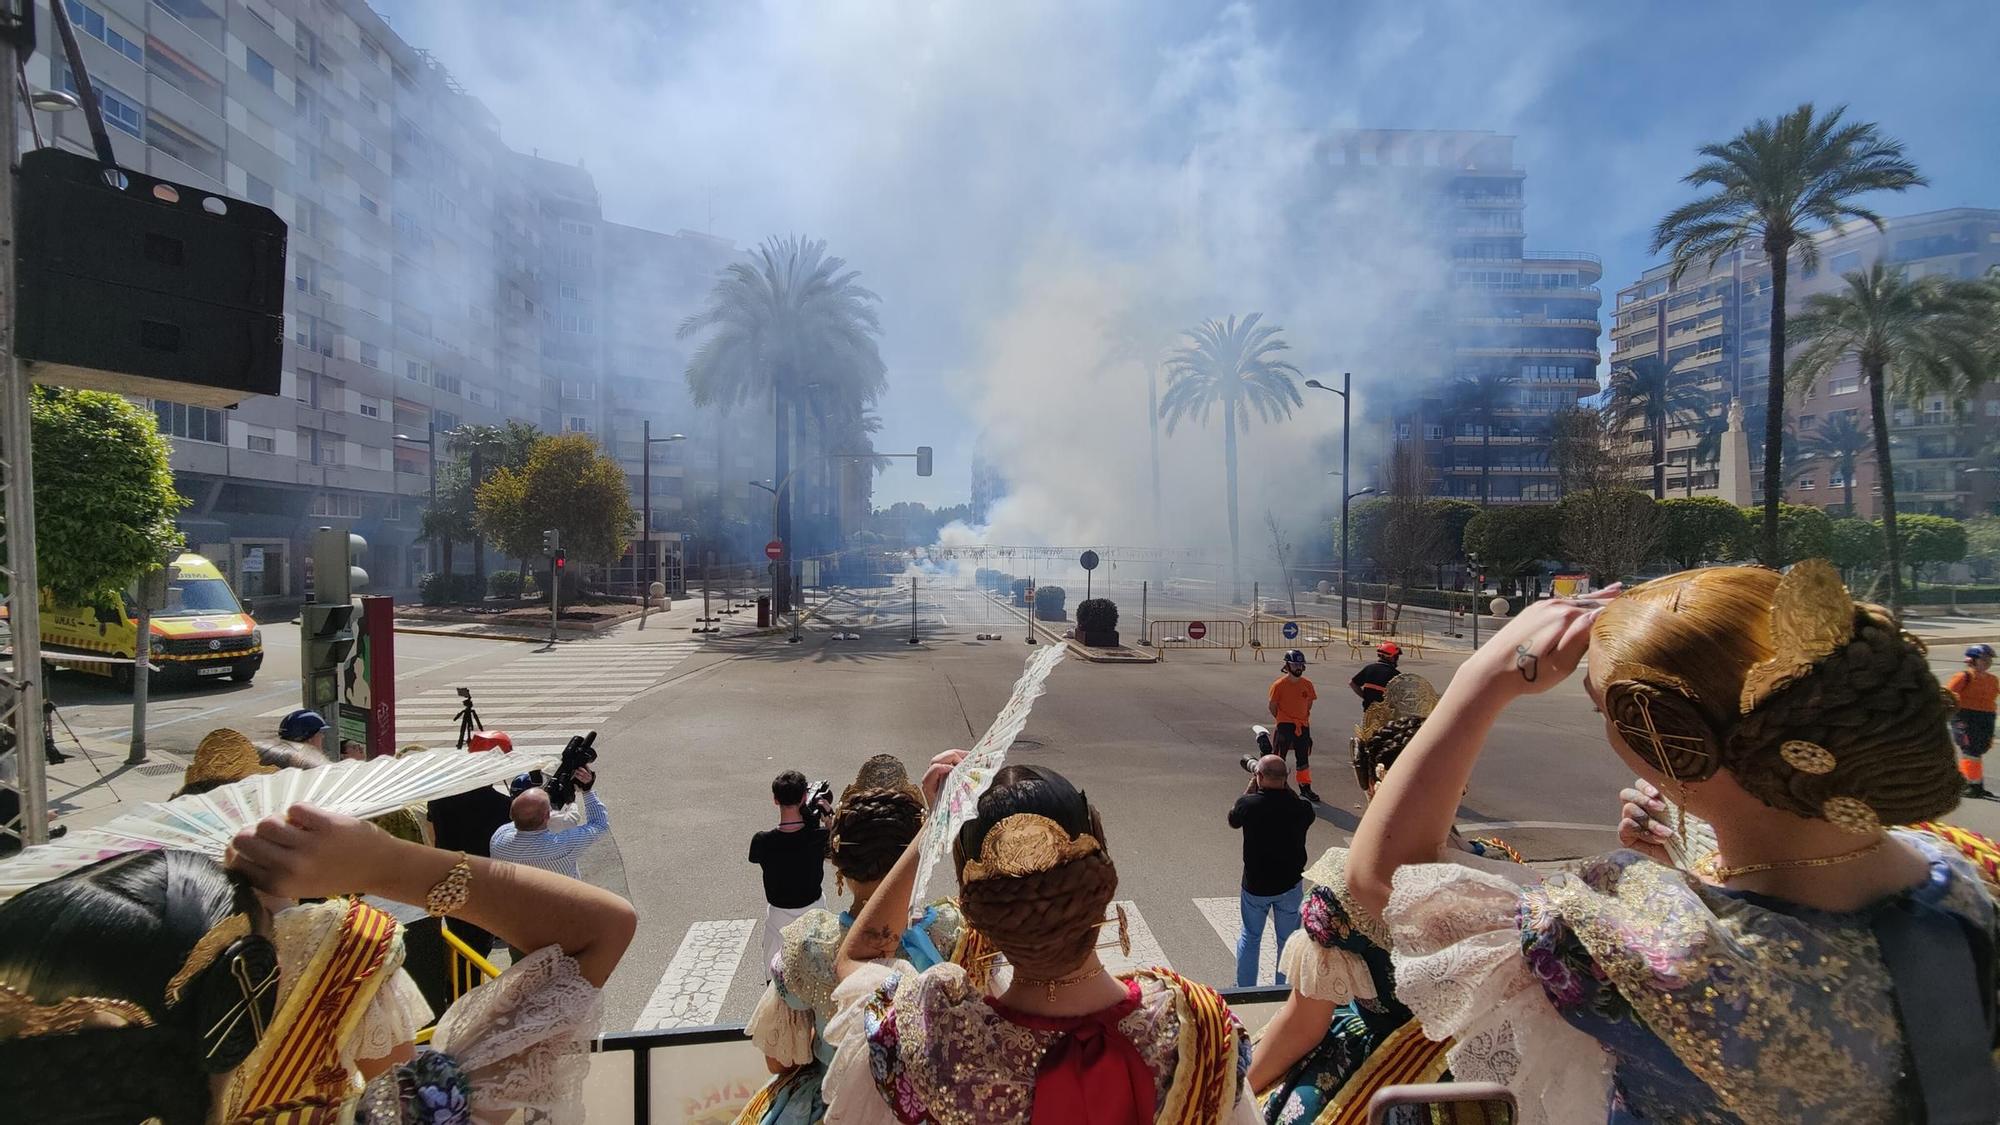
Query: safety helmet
x=1388 y=650
x=1979 y=650
x=490 y=740
x=1294 y=656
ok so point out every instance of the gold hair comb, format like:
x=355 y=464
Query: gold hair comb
x=1026 y=844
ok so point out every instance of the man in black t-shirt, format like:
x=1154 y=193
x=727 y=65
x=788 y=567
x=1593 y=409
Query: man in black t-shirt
x=1274 y=821
x=793 y=856
x=1373 y=680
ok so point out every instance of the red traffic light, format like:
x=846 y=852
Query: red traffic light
x=561 y=558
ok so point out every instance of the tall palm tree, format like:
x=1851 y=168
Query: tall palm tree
x=1839 y=441
x=1929 y=335
x=1644 y=392
x=1774 y=183
x=1481 y=397
x=1232 y=364
x=787 y=317
x=1707 y=444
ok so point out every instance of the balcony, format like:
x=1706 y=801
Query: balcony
x=168 y=100
x=1589 y=353
x=1586 y=261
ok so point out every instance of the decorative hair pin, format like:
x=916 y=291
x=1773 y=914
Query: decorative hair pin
x=1026 y=844
x=1407 y=696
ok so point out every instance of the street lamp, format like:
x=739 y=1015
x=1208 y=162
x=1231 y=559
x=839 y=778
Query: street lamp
x=646 y=444
x=1346 y=404
x=429 y=442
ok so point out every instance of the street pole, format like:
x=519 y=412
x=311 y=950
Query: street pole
x=555 y=598
x=142 y=672
x=1346 y=485
x=913 y=611
x=795 y=606
x=437 y=542
x=645 y=516
x=1142 y=611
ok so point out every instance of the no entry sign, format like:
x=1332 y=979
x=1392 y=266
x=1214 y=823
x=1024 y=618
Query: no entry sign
x=774 y=550
x=1196 y=630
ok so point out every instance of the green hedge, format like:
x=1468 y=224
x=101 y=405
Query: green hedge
x=1422 y=597
x=1946 y=595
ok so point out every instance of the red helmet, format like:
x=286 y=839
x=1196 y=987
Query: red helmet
x=1389 y=649
x=488 y=740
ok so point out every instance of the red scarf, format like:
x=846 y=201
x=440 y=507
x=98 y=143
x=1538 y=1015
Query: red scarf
x=1091 y=1074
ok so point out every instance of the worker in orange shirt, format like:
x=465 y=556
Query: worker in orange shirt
x=1292 y=698
x=1975 y=689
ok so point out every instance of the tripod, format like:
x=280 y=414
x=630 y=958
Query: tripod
x=468 y=719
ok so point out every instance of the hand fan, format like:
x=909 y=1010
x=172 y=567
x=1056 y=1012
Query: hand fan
x=958 y=797
x=206 y=822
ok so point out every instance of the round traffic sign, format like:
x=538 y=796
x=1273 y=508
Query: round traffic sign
x=1196 y=630
x=774 y=550
x=1291 y=630
x=1088 y=560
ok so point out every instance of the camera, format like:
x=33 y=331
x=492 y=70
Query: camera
x=579 y=753
x=817 y=808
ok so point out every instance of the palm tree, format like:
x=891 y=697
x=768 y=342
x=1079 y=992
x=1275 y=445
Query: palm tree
x=788 y=317
x=1645 y=392
x=1482 y=396
x=1230 y=363
x=1707 y=444
x=1930 y=335
x=1840 y=441
x=1774 y=182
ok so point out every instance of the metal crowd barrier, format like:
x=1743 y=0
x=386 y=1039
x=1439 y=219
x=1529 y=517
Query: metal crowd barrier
x=702 y=1075
x=1410 y=637
x=1316 y=634
x=1168 y=633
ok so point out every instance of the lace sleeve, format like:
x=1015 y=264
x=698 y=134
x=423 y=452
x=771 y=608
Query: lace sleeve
x=1322 y=973
x=392 y=1020
x=524 y=1039
x=779 y=1030
x=1457 y=947
x=849 y=1089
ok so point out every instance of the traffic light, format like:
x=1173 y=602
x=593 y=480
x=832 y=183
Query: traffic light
x=326 y=624
x=923 y=460
x=551 y=543
x=560 y=557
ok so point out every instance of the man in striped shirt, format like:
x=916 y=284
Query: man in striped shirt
x=528 y=840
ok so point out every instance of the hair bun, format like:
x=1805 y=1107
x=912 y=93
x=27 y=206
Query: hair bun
x=1661 y=719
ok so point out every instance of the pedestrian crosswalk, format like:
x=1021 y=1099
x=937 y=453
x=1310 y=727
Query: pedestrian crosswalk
x=546 y=696
x=695 y=987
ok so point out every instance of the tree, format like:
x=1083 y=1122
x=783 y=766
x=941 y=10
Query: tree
x=1481 y=397
x=1708 y=434
x=1610 y=532
x=1232 y=364
x=1856 y=543
x=1451 y=517
x=1804 y=532
x=453 y=518
x=104 y=494
x=1644 y=393
x=1410 y=532
x=1773 y=184
x=1514 y=541
x=1982 y=549
x=789 y=318
x=1696 y=530
x=1929 y=334
x=1927 y=540
x=1579 y=448
x=569 y=485
x=1839 y=441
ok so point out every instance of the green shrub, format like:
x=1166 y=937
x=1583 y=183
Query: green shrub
x=1049 y=603
x=1020 y=590
x=450 y=589
x=1096 y=615
x=504 y=584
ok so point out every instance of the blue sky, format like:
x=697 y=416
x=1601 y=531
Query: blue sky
x=970 y=159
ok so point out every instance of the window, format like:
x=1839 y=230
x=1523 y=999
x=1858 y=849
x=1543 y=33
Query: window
x=444 y=420
x=576 y=424
x=257 y=191
x=371 y=356
x=1846 y=263
x=369 y=205
x=369 y=409
x=344 y=505
x=1807 y=485
x=367 y=150
x=1402 y=431
x=414 y=371
x=580 y=324
x=575 y=257
x=93 y=24
x=258 y=443
x=572 y=227
x=582 y=391
x=325 y=448
x=570 y=292
x=305 y=387
x=195 y=423
x=446 y=382
x=1433 y=431
x=1836 y=479
x=260 y=67
x=120 y=111
x=1844 y=384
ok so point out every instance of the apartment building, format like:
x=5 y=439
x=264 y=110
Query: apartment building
x=1521 y=322
x=438 y=278
x=1712 y=329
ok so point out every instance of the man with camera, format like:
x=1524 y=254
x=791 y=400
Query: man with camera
x=1274 y=821
x=793 y=855
x=528 y=839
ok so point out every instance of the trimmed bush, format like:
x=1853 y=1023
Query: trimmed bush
x=450 y=589
x=1097 y=622
x=1020 y=590
x=504 y=584
x=1049 y=603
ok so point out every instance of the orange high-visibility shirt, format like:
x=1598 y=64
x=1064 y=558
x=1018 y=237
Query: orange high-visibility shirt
x=1974 y=690
x=1294 y=696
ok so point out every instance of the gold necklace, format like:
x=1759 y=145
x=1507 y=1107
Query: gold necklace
x=1723 y=874
x=1049 y=987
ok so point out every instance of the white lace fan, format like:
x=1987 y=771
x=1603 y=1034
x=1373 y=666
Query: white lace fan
x=206 y=822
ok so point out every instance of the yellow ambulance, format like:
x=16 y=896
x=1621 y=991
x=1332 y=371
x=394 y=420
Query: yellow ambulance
x=201 y=634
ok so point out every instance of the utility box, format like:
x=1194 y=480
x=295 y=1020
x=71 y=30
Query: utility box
x=141 y=286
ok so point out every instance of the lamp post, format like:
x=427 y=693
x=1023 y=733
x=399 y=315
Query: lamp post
x=429 y=442
x=646 y=444
x=1346 y=409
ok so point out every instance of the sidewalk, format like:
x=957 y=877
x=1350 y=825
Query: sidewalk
x=676 y=623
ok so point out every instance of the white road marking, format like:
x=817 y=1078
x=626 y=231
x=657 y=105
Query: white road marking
x=1146 y=952
x=1225 y=916
x=691 y=991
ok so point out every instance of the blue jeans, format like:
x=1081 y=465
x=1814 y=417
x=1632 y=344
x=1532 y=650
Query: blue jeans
x=1286 y=909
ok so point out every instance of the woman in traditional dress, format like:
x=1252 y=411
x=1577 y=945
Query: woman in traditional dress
x=1341 y=1034
x=1065 y=1041
x=875 y=821
x=158 y=985
x=1813 y=965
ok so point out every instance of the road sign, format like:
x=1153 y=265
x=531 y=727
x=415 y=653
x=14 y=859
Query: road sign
x=1196 y=630
x=1089 y=560
x=1291 y=630
x=774 y=550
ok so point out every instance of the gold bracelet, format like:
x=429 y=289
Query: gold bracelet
x=451 y=891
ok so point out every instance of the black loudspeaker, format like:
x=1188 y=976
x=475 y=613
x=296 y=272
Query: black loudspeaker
x=136 y=285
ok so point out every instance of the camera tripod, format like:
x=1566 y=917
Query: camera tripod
x=468 y=719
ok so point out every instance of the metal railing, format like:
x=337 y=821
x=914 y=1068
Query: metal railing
x=1316 y=634
x=1171 y=633
x=1560 y=256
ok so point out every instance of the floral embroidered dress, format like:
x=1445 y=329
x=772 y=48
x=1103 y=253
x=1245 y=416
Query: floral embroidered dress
x=927 y=1046
x=1628 y=991
x=789 y=1023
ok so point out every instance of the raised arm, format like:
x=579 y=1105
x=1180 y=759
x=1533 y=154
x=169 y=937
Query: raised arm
x=1412 y=810
x=878 y=929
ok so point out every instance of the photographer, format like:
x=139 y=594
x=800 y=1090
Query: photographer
x=528 y=840
x=793 y=856
x=1274 y=821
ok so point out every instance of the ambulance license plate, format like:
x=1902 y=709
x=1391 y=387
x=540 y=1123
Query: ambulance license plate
x=218 y=670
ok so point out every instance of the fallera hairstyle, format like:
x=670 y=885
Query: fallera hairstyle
x=789 y=788
x=1858 y=736
x=119 y=929
x=1046 y=922
x=870 y=829
x=1374 y=754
